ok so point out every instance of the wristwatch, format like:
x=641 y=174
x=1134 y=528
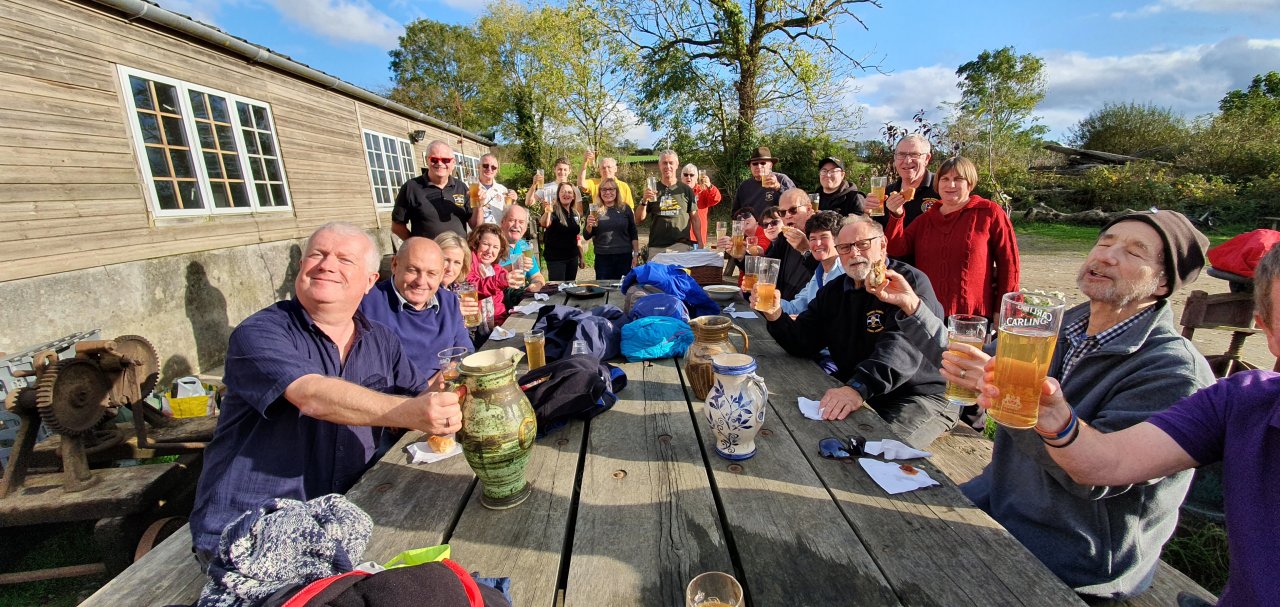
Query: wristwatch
x=860 y=387
x=635 y=253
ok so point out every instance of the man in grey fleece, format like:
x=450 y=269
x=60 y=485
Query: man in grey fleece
x=1119 y=359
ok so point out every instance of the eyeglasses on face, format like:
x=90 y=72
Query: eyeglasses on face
x=911 y=155
x=769 y=224
x=438 y=160
x=603 y=190
x=864 y=244
x=793 y=210
x=759 y=163
x=830 y=172
x=489 y=167
x=690 y=175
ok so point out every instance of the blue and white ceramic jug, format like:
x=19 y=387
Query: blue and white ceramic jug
x=735 y=405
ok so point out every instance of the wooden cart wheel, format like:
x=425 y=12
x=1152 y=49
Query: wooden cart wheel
x=156 y=533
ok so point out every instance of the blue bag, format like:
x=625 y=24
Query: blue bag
x=659 y=304
x=654 y=337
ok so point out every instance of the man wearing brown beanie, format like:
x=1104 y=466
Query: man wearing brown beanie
x=1119 y=360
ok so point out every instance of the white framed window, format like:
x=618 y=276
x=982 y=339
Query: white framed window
x=467 y=167
x=203 y=151
x=390 y=165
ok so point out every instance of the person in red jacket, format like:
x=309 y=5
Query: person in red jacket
x=488 y=245
x=708 y=196
x=964 y=244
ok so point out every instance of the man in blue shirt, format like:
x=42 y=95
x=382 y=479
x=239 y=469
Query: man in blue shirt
x=313 y=388
x=424 y=317
x=515 y=222
x=821 y=230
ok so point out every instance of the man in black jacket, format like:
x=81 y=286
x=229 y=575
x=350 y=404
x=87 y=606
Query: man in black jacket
x=837 y=194
x=880 y=366
x=791 y=247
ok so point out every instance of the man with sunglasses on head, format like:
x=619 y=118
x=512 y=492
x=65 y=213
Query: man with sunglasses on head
x=434 y=202
x=765 y=188
x=880 y=364
x=494 y=197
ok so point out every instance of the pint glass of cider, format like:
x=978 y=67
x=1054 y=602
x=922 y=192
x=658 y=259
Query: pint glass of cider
x=467 y=292
x=750 y=267
x=766 y=286
x=875 y=198
x=1029 y=324
x=475 y=192
x=535 y=351
x=970 y=330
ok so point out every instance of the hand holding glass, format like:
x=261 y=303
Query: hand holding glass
x=970 y=330
x=1029 y=324
x=875 y=199
x=766 y=288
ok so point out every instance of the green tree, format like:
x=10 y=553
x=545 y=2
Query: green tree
x=737 y=66
x=1261 y=99
x=999 y=92
x=439 y=70
x=1134 y=129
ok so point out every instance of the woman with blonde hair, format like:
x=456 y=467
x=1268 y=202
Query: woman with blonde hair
x=457 y=265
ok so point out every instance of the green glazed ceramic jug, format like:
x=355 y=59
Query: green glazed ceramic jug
x=498 y=426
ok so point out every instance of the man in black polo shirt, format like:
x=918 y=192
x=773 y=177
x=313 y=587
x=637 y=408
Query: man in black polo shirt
x=436 y=202
x=765 y=187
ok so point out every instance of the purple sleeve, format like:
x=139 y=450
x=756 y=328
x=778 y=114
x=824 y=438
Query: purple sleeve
x=263 y=358
x=1198 y=423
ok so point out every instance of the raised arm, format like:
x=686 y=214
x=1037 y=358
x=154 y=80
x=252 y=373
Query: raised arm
x=342 y=402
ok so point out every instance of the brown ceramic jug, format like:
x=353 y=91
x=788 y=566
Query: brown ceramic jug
x=710 y=337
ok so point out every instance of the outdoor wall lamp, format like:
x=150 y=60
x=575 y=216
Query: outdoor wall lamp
x=417 y=136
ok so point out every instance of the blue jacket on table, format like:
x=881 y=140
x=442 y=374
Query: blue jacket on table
x=423 y=333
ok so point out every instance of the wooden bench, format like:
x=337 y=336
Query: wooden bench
x=962 y=454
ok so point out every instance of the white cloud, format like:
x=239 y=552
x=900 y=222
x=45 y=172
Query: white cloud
x=1190 y=80
x=204 y=11
x=343 y=21
x=1202 y=6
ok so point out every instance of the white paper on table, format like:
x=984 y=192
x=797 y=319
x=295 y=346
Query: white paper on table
x=737 y=314
x=529 y=308
x=892 y=449
x=810 y=408
x=500 y=334
x=421 y=453
x=892 y=479
x=541 y=297
x=566 y=285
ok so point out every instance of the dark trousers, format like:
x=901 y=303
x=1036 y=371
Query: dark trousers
x=918 y=420
x=612 y=266
x=566 y=269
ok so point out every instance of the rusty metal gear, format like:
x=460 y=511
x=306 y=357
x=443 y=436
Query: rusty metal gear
x=20 y=399
x=140 y=349
x=72 y=396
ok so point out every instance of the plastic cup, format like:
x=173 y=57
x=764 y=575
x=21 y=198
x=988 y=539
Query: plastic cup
x=713 y=589
x=875 y=198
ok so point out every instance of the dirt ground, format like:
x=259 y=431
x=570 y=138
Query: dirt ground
x=1051 y=265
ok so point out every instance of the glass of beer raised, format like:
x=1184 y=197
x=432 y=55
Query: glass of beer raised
x=713 y=589
x=467 y=293
x=750 y=266
x=475 y=192
x=970 y=330
x=535 y=349
x=814 y=199
x=1029 y=324
x=739 y=239
x=766 y=287
x=875 y=198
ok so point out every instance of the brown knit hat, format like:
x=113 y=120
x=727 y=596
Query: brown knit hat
x=1184 y=245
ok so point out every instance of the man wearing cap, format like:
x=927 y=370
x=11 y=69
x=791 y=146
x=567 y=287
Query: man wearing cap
x=837 y=194
x=765 y=187
x=1119 y=359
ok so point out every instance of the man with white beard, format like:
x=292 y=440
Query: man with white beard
x=881 y=366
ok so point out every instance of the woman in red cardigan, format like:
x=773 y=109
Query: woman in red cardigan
x=964 y=243
x=490 y=278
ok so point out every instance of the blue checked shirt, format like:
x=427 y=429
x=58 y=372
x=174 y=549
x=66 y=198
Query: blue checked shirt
x=1081 y=345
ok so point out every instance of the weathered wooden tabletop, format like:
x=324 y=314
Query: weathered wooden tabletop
x=629 y=506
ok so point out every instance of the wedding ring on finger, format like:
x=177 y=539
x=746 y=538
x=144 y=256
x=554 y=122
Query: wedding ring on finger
x=962 y=372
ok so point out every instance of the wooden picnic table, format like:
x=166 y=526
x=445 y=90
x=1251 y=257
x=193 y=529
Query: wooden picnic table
x=629 y=506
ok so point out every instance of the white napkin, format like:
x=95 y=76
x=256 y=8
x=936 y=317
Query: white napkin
x=541 y=297
x=892 y=479
x=736 y=314
x=892 y=449
x=529 y=308
x=729 y=309
x=809 y=408
x=566 y=285
x=421 y=453
x=500 y=334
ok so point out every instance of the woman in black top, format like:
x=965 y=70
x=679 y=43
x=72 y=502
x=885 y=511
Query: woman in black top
x=561 y=225
x=613 y=228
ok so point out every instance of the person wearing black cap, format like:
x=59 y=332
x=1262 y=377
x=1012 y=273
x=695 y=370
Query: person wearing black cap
x=837 y=194
x=765 y=187
x=1119 y=360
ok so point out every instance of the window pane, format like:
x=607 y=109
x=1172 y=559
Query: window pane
x=190 y=195
x=173 y=132
x=377 y=161
x=395 y=162
x=166 y=195
x=239 y=195
x=250 y=141
x=168 y=97
x=255 y=165
x=150 y=128
x=264 y=195
x=141 y=93
x=198 y=105
x=368 y=141
x=205 y=132
x=404 y=149
x=375 y=144
x=233 y=166
x=260 y=118
x=277 y=193
x=226 y=139
x=243 y=110
x=220 y=198
x=268 y=147
x=181 y=164
x=273 y=169
x=159 y=166
x=219 y=107
x=382 y=196
x=213 y=166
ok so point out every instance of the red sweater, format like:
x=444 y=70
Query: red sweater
x=707 y=198
x=970 y=256
x=490 y=287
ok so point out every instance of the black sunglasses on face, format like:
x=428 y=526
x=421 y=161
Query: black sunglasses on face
x=690 y=175
x=847 y=448
x=793 y=210
x=769 y=224
x=491 y=167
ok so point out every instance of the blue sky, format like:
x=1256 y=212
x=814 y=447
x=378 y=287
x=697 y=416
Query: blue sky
x=1183 y=54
